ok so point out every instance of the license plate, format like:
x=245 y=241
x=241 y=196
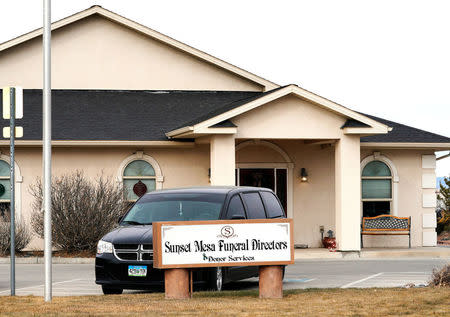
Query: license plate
x=134 y=270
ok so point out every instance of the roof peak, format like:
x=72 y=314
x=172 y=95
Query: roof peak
x=112 y=16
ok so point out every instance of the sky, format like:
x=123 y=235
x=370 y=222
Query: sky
x=386 y=58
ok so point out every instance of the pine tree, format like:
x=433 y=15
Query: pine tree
x=444 y=202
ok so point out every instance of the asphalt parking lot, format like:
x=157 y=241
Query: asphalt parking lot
x=78 y=279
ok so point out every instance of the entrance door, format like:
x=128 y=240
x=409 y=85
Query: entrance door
x=273 y=178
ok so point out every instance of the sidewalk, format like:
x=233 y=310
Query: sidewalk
x=55 y=260
x=374 y=253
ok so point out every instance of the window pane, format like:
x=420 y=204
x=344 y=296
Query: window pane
x=139 y=168
x=176 y=207
x=5 y=189
x=5 y=212
x=376 y=168
x=235 y=208
x=129 y=184
x=376 y=208
x=376 y=188
x=4 y=169
x=257 y=177
x=255 y=208
x=273 y=206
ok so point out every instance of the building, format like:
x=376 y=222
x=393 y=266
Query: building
x=141 y=106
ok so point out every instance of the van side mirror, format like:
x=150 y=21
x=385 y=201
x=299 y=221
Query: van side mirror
x=237 y=217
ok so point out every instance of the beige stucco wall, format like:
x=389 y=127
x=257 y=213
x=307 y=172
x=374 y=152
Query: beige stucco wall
x=289 y=117
x=313 y=201
x=191 y=170
x=409 y=166
x=96 y=53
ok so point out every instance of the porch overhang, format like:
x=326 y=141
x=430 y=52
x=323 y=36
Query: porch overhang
x=206 y=126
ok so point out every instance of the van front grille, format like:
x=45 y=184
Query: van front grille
x=126 y=246
x=133 y=252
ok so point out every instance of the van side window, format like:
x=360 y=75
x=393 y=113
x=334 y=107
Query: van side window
x=235 y=208
x=255 y=207
x=272 y=205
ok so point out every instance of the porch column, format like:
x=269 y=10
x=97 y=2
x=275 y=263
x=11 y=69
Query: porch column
x=223 y=160
x=348 y=192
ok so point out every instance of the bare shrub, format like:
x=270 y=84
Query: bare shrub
x=82 y=210
x=441 y=277
x=22 y=235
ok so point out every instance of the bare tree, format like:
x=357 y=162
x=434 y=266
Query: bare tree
x=22 y=234
x=82 y=210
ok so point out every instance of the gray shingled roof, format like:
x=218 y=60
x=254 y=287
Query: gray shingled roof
x=403 y=133
x=147 y=115
x=118 y=114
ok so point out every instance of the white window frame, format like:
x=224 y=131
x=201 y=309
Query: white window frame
x=18 y=186
x=140 y=156
x=394 y=181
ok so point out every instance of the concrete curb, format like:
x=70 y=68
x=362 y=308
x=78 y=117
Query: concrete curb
x=55 y=260
x=299 y=254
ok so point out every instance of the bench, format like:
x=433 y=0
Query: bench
x=386 y=225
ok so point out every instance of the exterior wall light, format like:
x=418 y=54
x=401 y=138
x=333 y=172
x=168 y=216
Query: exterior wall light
x=303 y=175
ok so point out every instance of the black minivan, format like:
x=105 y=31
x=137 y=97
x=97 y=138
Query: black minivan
x=125 y=255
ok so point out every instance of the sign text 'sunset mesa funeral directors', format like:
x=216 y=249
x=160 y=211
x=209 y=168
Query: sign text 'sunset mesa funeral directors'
x=224 y=244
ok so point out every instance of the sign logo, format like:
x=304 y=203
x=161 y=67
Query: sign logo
x=227 y=232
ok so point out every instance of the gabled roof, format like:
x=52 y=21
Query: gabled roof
x=123 y=115
x=238 y=107
x=268 y=85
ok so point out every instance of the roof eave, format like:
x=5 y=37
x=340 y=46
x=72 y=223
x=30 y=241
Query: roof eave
x=374 y=127
x=407 y=145
x=100 y=143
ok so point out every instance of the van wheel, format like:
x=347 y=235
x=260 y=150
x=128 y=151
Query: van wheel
x=111 y=290
x=215 y=282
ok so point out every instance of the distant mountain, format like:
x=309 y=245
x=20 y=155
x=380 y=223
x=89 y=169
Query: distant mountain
x=439 y=180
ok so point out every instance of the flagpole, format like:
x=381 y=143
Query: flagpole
x=47 y=151
x=12 y=210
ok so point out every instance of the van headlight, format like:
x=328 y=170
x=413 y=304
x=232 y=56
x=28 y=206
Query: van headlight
x=104 y=247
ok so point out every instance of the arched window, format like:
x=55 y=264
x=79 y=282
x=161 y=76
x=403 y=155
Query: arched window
x=5 y=189
x=139 y=178
x=376 y=181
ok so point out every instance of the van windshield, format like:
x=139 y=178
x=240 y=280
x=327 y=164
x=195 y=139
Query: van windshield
x=174 y=207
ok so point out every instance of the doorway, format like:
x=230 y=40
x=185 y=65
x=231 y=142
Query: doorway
x=273 y=178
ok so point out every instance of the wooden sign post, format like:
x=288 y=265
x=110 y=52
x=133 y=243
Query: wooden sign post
x=179 y=246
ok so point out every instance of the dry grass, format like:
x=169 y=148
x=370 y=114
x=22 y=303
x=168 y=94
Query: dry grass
x=340 y=302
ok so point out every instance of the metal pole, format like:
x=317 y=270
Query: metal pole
x=47 y=152
x=12 y=133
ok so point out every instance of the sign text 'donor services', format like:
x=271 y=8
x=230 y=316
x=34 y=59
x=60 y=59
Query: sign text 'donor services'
x=223 y=243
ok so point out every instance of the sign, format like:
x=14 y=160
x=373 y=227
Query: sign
x=187 y=244
x=7 y=132
x=18 y=93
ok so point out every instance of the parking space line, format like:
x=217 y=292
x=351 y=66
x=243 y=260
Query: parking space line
x=42 y=285
x=406 y=272
x=361 y=280
x=300 y=280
